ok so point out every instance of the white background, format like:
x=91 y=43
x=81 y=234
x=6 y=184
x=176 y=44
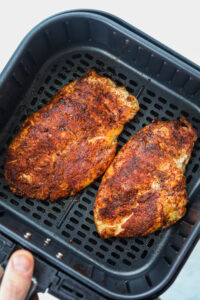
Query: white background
x=175 y=23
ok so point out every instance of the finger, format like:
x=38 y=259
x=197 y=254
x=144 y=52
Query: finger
x=1 y=271
x=17 y=277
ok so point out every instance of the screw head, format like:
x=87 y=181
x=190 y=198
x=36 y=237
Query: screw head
x=47 y=241
x=27 y=235
x=59 y=255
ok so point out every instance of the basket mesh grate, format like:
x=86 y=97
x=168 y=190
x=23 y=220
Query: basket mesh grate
x=72 y=219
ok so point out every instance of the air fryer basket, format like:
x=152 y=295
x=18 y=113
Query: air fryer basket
x=71 y=259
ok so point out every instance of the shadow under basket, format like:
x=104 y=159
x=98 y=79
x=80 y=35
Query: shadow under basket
x=71 y=260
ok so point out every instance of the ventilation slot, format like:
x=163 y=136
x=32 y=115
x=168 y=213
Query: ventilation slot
x=41 y=209
x=90 y=221
x=100 y=255
x=169 y=113
x=99 y=62
x=29 y=202
x=132 y=82
x=3 y=195
x=111 y=262
x=36 y=216
x=131 y=255
x=75 y=56
x=14 y=202
x=147 y=100
x=68 y=226
x=119 y=248
x=80 y=233
x=84 y=63
x=111 y=70
x=73 y=220
x=139 y=242
x=162 y=100
x=26 y=209
x=66 y=288
x=69 y=63
x=77 y=241
x=66 y=234
x=134 y=248
x=150 y=93
x=158 y=106
x=89 y=56
x=115 y=255
x=79 y=295
x=184 y=113
x=126 y=262
x=78 y=214
x=122 y=76
x=85 y=227
x=92 y=241
x=88 y=248
x=48 y=223
x=83 y=207
x=104 y=248
x=56 y=209
x=86 y=200
x=144 y=254
x=195 y=168
x=51 y=216
x=150 y=243
x=173 y=106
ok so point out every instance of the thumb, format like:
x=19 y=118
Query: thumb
x=17 y=278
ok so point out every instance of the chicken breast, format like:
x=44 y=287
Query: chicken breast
x=144 y=189
x=71 y=141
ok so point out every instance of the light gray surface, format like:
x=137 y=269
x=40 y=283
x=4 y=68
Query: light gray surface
x=174 y=23
x=187 y=284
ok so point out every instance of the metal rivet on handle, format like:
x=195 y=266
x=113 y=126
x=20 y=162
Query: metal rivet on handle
x=27 y=235
x=59 y=255
x=47 y=241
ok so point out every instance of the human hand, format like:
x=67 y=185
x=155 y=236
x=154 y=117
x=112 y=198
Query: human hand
x=17 y=277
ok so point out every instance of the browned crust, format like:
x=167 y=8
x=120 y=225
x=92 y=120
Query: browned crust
x=145 y=182
x=71 y=141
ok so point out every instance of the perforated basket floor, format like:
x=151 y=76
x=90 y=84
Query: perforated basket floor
x=113 y=263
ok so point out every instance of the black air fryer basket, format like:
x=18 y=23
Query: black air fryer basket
x=72 y=261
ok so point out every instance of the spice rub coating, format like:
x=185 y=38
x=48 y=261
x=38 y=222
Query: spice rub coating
x=71 y=141
x=144 y=189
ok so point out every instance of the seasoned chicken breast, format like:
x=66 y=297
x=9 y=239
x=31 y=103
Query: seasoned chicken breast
x=144 y=189
x=71 y=141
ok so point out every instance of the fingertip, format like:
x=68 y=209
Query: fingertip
x=23 y=262
x=17 y=277
x=23 y=252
